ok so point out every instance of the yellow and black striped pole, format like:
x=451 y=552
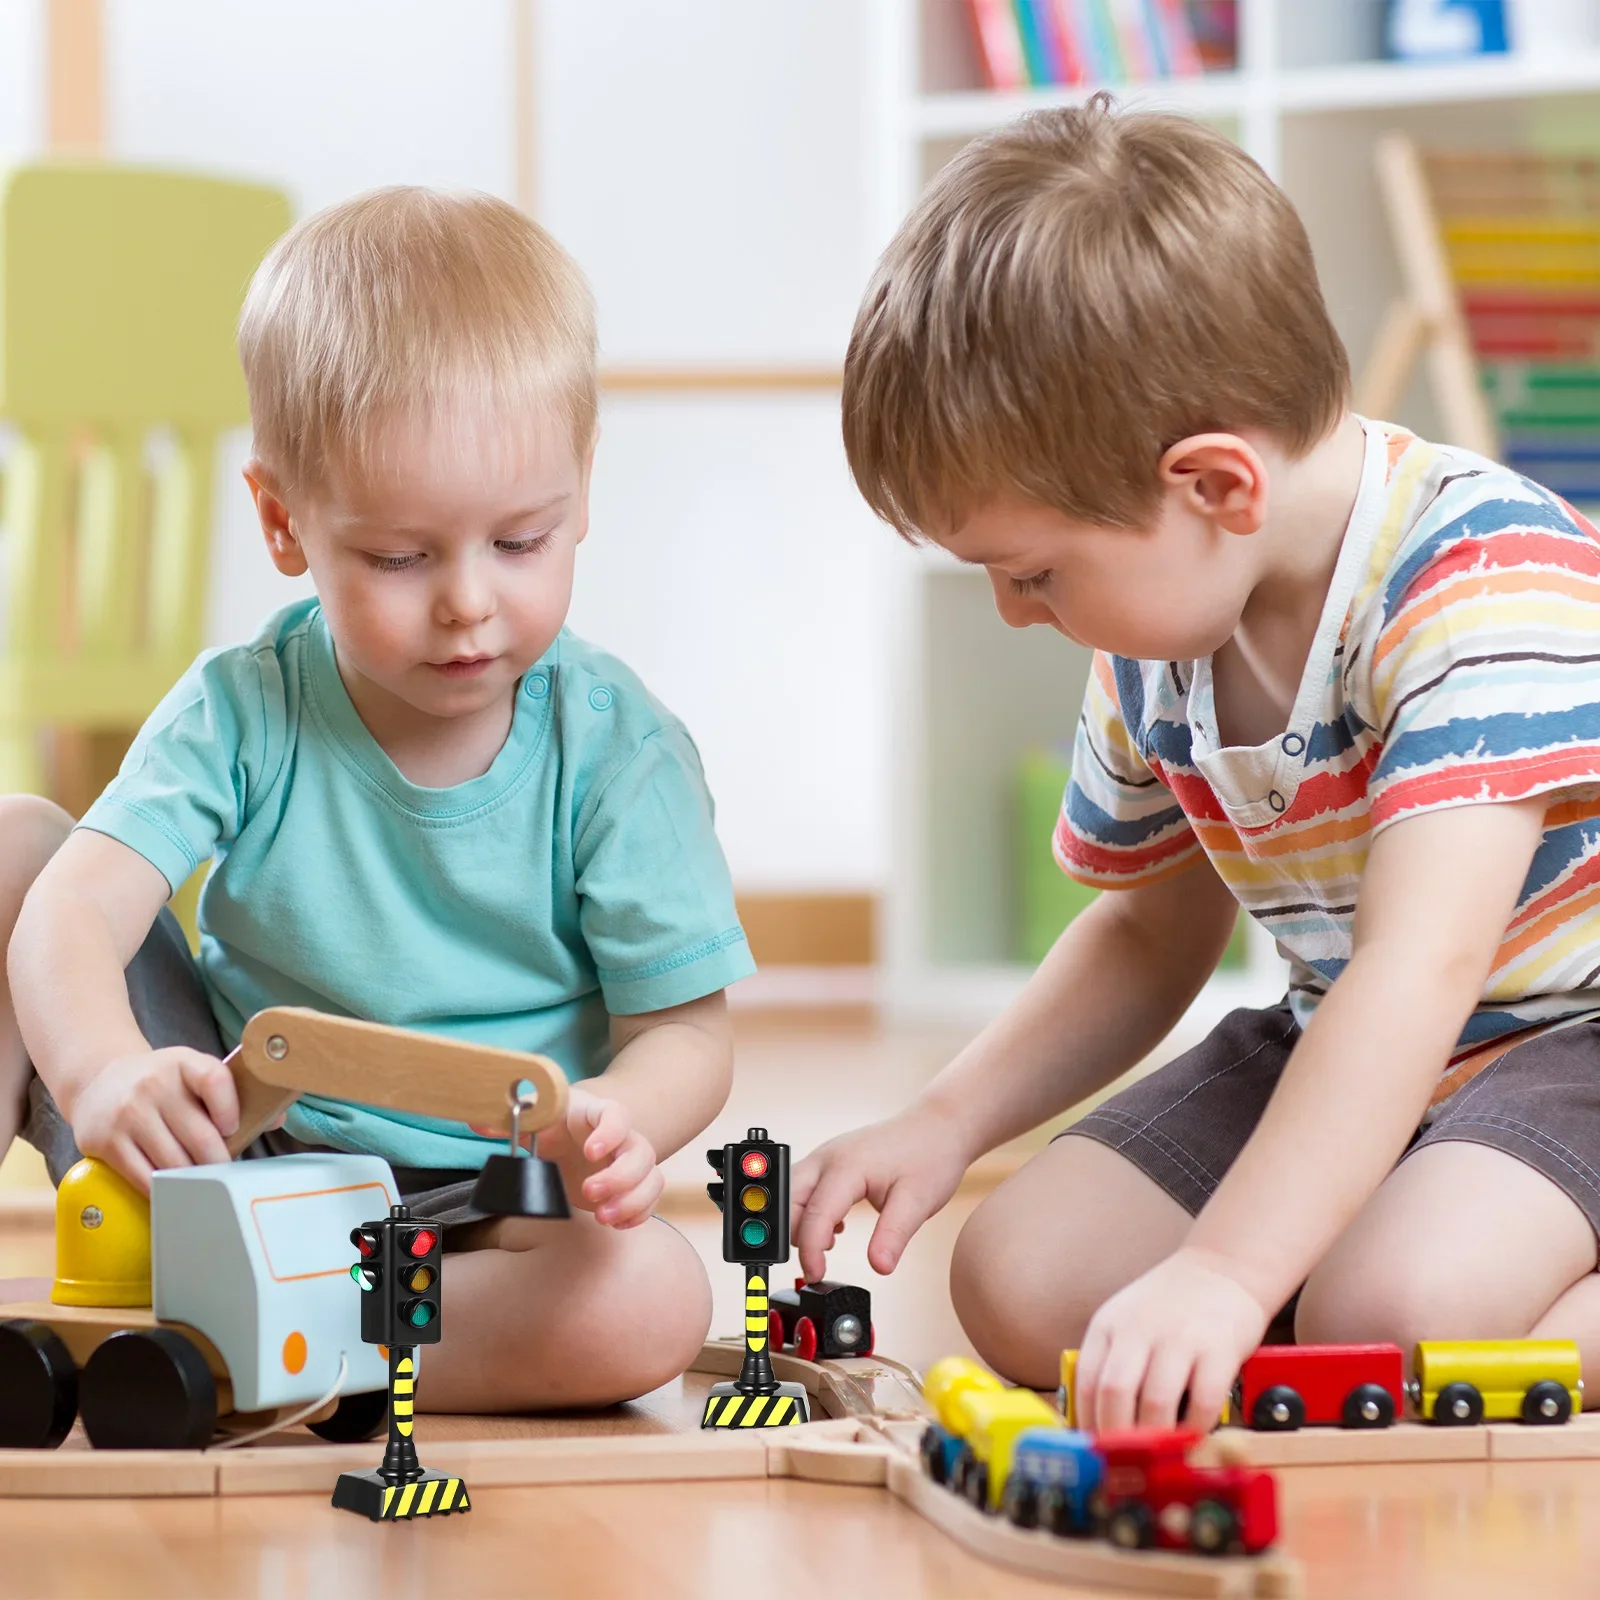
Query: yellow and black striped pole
x=755 y=1399
x=400 y=1464
x=756 y=1376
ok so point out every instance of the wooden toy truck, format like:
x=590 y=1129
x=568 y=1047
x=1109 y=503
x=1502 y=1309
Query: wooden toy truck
x=229 y=1295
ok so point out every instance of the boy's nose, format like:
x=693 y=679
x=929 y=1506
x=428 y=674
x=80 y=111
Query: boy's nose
x=1019 y=610
x=467 y=595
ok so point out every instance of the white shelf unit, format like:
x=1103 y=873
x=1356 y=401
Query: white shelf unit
x=1308 y=100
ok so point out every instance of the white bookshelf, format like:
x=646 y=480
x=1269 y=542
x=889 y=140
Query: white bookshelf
x=1308 y=100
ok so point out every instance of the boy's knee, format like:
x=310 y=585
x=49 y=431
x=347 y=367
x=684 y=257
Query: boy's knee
x=1014 y=1307
x=1370 y=1302
x=673 y=1314
x=31 y=831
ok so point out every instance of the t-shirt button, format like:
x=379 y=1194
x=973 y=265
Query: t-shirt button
x=600 y=698
x=537 y=686
x=1293 y=744
x=1275 y=800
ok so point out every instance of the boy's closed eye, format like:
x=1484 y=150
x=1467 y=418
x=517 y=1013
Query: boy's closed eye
x=521 y=545
x=1031 y=584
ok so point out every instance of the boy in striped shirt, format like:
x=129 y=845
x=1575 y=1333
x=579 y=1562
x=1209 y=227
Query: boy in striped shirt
x=1344 y=678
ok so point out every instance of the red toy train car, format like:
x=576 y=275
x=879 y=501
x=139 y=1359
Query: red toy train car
x=821 y=1321
x=1153 y=1496
x=1286 y=1386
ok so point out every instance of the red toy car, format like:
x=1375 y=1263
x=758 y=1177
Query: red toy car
x=1153 y=1496
x=1285 y=1386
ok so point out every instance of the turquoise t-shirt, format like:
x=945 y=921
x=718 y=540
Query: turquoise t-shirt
x=579 y=877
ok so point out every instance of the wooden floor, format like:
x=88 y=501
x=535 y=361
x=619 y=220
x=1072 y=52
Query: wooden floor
x=1446 y=1532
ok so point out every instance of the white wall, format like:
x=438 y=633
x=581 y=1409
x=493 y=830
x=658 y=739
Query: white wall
x=704 y=164
x=21 y=79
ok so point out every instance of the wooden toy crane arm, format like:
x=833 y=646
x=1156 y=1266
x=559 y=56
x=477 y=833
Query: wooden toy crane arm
x=287 y=1051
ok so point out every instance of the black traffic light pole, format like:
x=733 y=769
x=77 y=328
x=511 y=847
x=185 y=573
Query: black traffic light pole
x=756 y=1375
x=400 y=1464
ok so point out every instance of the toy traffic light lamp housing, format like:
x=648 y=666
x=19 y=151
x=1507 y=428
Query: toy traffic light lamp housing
x=519 y=1184
x=755 y=1233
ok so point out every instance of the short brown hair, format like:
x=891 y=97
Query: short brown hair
x=388 y=306
x=1073 y=295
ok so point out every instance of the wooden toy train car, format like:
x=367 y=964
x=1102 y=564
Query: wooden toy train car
x=821 y=1321
x=1007 y=1450
x=1456 y=1383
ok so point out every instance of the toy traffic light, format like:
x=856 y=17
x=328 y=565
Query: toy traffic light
x=399 y=1278
x=751 y=1191
x=755 y=1227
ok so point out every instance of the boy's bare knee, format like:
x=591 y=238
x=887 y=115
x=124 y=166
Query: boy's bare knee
x=31 y=831
x=1368 y=1303
x=1018 y=1318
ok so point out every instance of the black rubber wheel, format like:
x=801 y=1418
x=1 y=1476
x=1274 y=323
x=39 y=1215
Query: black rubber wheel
x=956 y=1482
x=360 y=1417
x=148 y=1389
x=975 y=1485
x=1213 y=1528
x=1277 y=1410
x=1458 y=1405
x=1132 y=1526
x=1020 y=1504
x=1055 y=1513
x=933 y=1454
x=1368 y=1405
x=38 y=1387
x=1546 y=1405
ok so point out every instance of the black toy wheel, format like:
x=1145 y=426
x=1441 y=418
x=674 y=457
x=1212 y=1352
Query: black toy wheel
x=1277 y=1410
x=933 y=1454
x=1546 y=1404
x=1368 y=1405
x=975 y=1485
x=1132 y=1526
x=959 y=1468
x=1055 y=1513
x=148 y=1389
x=38 y=1387
x=1458 y=1405
x=359 y=1417
x=1019 y=1503
x=1213 y=1528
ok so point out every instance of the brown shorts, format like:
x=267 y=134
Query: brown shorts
x=1539 y=1100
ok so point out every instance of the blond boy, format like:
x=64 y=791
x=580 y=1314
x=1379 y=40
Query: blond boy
x=427 y=804
x=1343 y=678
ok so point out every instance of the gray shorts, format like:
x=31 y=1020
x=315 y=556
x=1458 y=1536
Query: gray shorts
x=1538 y=1099
x=169 y=1004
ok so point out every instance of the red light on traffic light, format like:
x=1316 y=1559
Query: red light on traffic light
x=422 y=1241
x=365 y=1242
x=754 y=1164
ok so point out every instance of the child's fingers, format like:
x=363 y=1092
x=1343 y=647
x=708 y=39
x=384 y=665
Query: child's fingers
x=609 y=1125
x=629 y=1167
x=212 y=1085
x=802 y=1180
x=1121 y=1378
x=637 y=1205
x=830 y=1201
x=904 y=1211
x=1208 y=1390
x=156 y=1142
x=1166 y=1377
x=193 y=1129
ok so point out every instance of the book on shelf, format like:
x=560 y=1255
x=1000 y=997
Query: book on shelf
x=1023 y=43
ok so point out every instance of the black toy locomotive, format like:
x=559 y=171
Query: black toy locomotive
x=821 y=1321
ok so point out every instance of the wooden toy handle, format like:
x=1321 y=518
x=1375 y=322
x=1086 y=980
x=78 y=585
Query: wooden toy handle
x=287 y=1051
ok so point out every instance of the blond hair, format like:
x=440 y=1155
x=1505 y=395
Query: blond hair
x=1073 y=295
x=400 y=304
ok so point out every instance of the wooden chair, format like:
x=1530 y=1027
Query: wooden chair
x=119 y=294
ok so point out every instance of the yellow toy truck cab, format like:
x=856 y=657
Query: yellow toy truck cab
x=947 y=1381
x=1459 y=1382
x=991 y=1423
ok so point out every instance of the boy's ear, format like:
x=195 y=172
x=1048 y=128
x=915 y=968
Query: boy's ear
x=1219 y=476
x=282 y=543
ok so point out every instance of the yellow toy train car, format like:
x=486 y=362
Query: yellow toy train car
x=1459 y=1382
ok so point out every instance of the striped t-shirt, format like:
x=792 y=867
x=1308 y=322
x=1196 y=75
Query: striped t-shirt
x=1457 y=661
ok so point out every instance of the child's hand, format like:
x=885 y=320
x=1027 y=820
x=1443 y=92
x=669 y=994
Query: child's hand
x=908 y=1167
x=160 y=1108
x=1186 y=1325
x=612 y=1165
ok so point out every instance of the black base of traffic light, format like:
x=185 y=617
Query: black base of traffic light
x=432 y=1494
x=520 y=1186
x=731 y=1406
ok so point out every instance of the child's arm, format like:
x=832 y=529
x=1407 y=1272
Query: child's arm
x=668 y=1079
x=81 y=924
x=1111 y=987
x=1436 y=896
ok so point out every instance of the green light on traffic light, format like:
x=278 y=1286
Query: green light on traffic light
x=754 y=1232
x=420 y=1314
x=364 y=1275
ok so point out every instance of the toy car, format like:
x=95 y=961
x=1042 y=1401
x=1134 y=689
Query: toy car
x=822 y=1320
x=1457 y=1382
x=1286 y=1386
x=991 y=1422
x=1153 y=1496
x=1054 y=1480
x=945 y=1383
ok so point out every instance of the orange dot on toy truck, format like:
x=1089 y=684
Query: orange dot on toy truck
x=294 y=1353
